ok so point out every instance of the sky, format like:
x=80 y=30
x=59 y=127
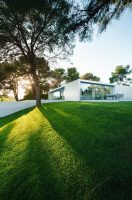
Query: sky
x=106 y=51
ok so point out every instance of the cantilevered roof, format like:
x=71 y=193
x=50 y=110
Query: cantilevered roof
x=58 y=89
x=95 y=83
x=81 y=81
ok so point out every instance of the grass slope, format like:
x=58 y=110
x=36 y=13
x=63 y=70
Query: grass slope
x=66 y=151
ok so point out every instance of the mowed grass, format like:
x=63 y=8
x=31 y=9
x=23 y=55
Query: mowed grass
x=67 y=151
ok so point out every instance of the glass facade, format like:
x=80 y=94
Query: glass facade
x=93 y=91
x=58 y=95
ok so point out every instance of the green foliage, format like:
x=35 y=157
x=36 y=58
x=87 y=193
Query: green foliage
x=90 y=77
x=72 y=74
x=99 y=12
x=10 y=73
x=45 y=87
x=58 y=76
x=6 y=98
x=75 y=151
x=43 y=73
x=121 y=75
x=29 y=95
x=35 y=29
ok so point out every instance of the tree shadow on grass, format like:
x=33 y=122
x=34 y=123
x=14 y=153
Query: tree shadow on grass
x=99 y=145
x=31 y=178
x=5 y=120
x=54 y=167
x=58 y=158
x=48 y=169
x=6 y=126
x=4 y=136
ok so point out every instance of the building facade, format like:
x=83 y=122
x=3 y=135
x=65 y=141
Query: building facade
x=80 y=90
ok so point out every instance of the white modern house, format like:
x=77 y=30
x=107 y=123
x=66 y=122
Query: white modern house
x=80 y=90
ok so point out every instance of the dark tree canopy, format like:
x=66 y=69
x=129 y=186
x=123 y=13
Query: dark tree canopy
x=99 y=12
x=34 y=29
x=121 y=75
x=58 y=76
x=72 y=74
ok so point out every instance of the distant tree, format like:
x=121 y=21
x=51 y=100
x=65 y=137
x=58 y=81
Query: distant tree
x=121 y=74
x=34 y=29
x=58 y=76
x=71 y=74
x=45 y=87
x=4 y=95
x=10 y=74
x=29 y=95
x=90 y=76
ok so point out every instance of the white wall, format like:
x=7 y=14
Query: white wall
x=126 y=90
x=50 y=95
x=72 y=91
x=7 y=108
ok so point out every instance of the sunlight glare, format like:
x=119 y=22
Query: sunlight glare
x=23 y=84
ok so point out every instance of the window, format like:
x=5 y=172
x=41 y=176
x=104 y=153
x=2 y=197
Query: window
x=94 y=91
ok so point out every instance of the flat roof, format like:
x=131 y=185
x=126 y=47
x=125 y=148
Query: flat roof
x=58 y=89
x=95 y=82
x=81 y=81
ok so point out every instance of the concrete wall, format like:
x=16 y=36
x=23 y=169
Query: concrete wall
x=72 y=91
x=126 y=90
x=50 y=95
x=7 y=108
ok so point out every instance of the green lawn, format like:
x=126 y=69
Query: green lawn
x=67 y=151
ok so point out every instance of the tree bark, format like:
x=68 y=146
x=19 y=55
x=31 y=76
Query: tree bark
x=37 y=88
x=32 y=86
x=15 y=91
x=33 y=90
x=15 y=95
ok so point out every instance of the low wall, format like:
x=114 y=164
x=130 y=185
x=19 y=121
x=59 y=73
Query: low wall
x=7 y=108
x=125 y=90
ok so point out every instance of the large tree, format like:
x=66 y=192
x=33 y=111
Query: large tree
x=121 y=75
x=34 y=28
x=90 y=77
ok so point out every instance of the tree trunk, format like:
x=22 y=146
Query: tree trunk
x=33 y=90
x=32 y=86
x=15 y=95
x=37 y=88
x=15 y=91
